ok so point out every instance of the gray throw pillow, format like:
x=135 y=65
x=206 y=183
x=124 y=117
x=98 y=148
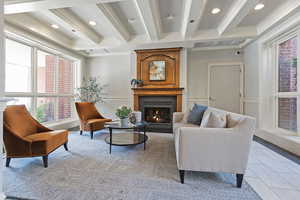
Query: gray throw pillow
x=196 y=114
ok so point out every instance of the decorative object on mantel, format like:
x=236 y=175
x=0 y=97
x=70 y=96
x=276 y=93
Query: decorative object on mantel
x=90 y=91
x=123 y=113
x=136 y=83
x=157 y=70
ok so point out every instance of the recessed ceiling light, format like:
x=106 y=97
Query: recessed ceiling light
x=92 y=23
x=32 y=29
x=259 y=6
x=54 y=26
x=170 y=17
x=131 y=20
x=215 y=11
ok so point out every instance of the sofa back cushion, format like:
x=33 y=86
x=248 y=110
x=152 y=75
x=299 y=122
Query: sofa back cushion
x=19 y=120
x=232 y=119
x=214 y=120
x=196 y=114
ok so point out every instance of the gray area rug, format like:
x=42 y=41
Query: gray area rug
x=89 y=172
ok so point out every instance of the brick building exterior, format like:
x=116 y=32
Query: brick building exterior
x=287 y=107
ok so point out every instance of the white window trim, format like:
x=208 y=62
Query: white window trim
x=34 y=94
x=277 y=95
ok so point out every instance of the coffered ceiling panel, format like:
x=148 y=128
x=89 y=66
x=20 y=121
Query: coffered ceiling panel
x=171 y=15
x=210 y=21
x=127 y=13
x=123 y=25
x=46 y=20
x=255 y=16
x=87 y=14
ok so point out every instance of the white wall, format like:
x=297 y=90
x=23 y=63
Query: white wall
x=197 y=80
x=116 y=72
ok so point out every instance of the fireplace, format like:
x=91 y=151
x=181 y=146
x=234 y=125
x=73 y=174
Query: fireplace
x=158 y=111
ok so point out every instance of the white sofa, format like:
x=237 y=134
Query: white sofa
x=213 y=149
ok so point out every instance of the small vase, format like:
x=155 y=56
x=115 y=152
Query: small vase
x=124 y=122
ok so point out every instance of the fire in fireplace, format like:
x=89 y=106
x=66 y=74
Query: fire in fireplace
x=158 y=111
x=158 y=115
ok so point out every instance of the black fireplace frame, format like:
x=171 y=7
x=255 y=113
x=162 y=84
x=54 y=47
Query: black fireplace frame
x=158 y=102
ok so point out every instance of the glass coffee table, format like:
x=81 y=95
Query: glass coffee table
x=137 y=136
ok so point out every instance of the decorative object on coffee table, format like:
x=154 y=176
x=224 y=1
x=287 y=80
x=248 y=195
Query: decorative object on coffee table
x=123 y=113
x=126 y=138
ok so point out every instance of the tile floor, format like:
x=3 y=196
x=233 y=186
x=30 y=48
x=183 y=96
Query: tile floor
x=273 y=176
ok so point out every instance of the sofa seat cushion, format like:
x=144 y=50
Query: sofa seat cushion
x=46 y=142
x=179 y=125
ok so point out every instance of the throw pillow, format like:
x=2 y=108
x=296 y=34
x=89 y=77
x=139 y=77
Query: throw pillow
x=214 y=120
x=185 y=116
x=232 y=121
x=196 y=114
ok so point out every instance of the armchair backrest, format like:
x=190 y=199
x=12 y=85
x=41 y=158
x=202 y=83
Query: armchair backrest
x=18 y=120
x=87 y=110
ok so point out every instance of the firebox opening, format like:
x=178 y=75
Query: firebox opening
x=157 y=115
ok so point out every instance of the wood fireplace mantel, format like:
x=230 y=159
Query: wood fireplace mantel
x=169 y=86
x=137 y=92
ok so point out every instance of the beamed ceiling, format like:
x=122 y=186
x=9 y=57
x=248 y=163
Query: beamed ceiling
x=123 y=25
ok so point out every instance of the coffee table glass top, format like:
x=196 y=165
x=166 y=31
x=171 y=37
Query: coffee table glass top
x=125 y=139
x=116 y=125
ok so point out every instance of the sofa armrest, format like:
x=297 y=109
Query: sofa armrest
x=177 y=117
x=212 y=149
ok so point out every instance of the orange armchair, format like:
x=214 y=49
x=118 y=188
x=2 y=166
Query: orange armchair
x=23 y=136
x=90 y=119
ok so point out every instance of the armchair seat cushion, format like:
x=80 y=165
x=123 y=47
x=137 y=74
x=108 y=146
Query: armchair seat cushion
x=92 y=121
x=46 y=142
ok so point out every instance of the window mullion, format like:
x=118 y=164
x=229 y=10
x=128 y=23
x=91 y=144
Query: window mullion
x=34 y=81
x=56 y=78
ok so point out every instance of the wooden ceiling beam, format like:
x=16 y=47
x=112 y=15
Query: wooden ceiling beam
x=34 y=6
x=67 y=17
x=237 y=12
x=192 y=15
x=150 y=17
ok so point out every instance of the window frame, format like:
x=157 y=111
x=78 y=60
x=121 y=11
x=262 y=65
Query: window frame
x=278 y=94
x=34 y=94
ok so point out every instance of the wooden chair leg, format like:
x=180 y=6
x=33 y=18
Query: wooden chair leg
x=66 y=146
x=181 y=174
x=239 y=180
x=7 y=162
x=92 y=134
x=80 y=132
x=45 y=161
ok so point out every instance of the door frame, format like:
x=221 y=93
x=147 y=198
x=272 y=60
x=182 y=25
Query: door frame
x=224 y=64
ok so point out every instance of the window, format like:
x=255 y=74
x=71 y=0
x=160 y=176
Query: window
x=18 y=67
x=287 y=89
x=43 y=81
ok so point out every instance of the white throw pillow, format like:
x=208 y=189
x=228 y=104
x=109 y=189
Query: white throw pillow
x=232 y=121
x=214 y=120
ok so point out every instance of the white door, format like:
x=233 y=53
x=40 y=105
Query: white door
x=225 y=87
